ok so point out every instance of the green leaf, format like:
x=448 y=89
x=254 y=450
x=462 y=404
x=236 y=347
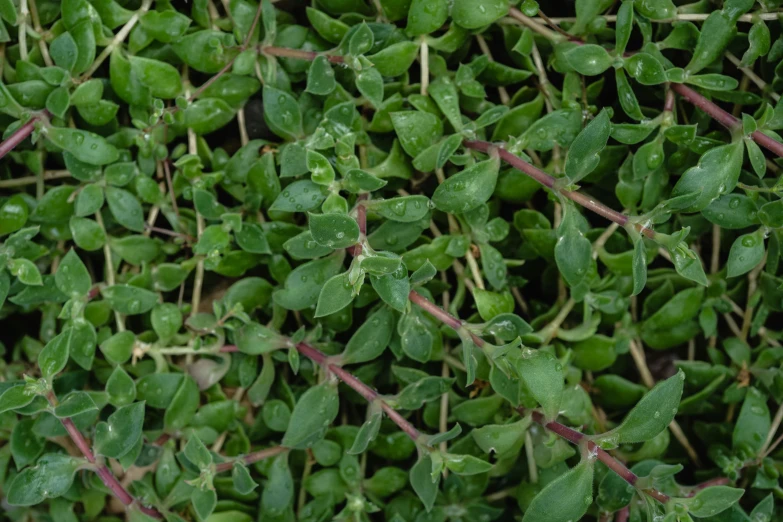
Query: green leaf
x=282 y=113
x=468 y=189
x=716 y=173
x=255 y=339
x=241 y=480
x=652 y=414
x=125 y=208
x=320 y=77
x=26 y=271
x=197 y=453
x=278 y=494
x=565 y=498
x=15 y=397
x=161 y=78
x=120 y=433
x=320 y=168
x=367 y=433
x=713 y=500
x=588 y=59
x=371 y=338
x=336 y=294
x=501 y=438
x=369 y=82
x=444 y=92
x=584 y=154
x=51 y=477
x=395 y=59
x=300 y=196
x=361 y=40
x=130 y=300
x=120 y=388
x=416 y=130
x=542 y=373
x=423 y=483
x=573 y=251
x=466 y=464
x=183 y=405
x=753 y=422
x=645 y=69
x=716 y=33
x=313 y=414
x=405 y=209
x=85 y=146
x=425 y=16
x=472 y=14
x=746 y=252
x=13 y=214
x=656 y=9
x=74 y=404
x=64 y=51
x=72 y=277
x=54 y=356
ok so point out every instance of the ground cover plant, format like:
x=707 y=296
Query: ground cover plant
x=405 y=260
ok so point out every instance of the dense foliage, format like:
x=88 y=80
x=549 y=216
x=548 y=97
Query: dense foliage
x=405 y=260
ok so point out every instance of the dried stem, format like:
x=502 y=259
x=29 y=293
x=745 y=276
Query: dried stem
x=749 y=74
x=424 y=62
x=284 y=52
x=38 y=29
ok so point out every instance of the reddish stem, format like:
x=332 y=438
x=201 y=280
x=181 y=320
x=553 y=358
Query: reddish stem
x=105 y=474
x=362 y=389
x=668 y=104
x=439 y=313
x=623 y=514
x=724 y=118
x=17 y=137
x=548 y=181
x=250 y=458
x=718 y=481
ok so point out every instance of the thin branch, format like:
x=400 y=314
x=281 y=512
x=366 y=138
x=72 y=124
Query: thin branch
x=118 y=39
x=250 y=458
x=549 y=182
x=724 y=118
x=19 y=135
x=101 y=469
x=48 y=175
x=683 y=17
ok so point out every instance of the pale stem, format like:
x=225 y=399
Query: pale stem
x=443 y=421
x=532 y=468
x=474 y=269
x=772 y=430
x=118 y=39
x=425 y=67
x=689 y=17
x=243 y=137
x=109 y=269
x=41 y=41
x=23 y=13
x=31 y=180
x=502 y=92
x=533 y=24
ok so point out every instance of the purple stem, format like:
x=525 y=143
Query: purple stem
x=724 y=118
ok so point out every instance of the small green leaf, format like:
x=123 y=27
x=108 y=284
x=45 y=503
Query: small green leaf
x=85 y=146
x=584 y=153
x=321 y=170
x=242 y=481
x=75 y=403
x=72 y=277
x=423 y=483
x=361 y=40
x=472 y=14
x=125 y=208
x=416 y=130
x=336 y=294
x=746 y=252
x=468 y=189
x=369 y=82
x=120 y=433
x=120 y=388
x=282 y=113
x=15 y=397
x=51 y=477
x=320 y=77
x=54 y=356
x=371 y=338
x=130 y=300
x=652 y=414
x=753 y=422
x=26 y=271
x=313 y=414
x=565 y=498
x=589 y=59
x=542 y=373
x=713 y=500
